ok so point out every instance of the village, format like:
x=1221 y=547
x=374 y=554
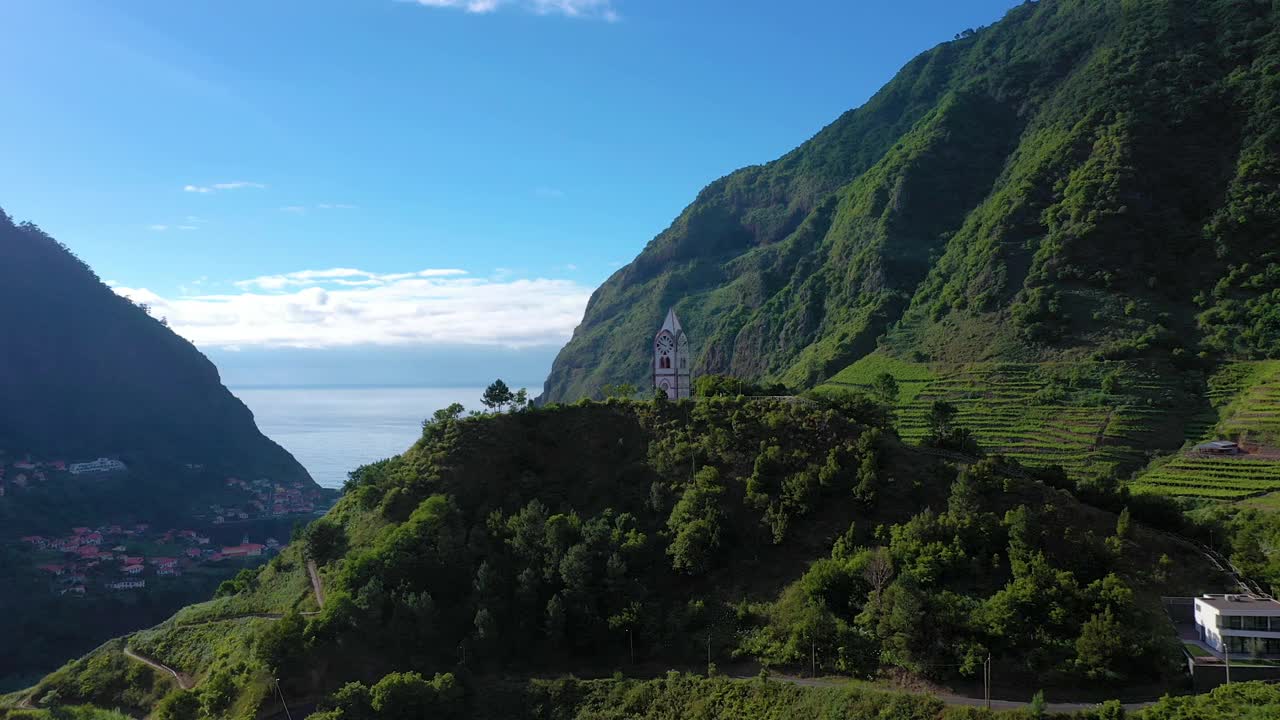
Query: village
x=19 y=475
x=113 y=558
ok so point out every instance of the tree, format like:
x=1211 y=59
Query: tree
x=941 y=416
x=621 y=391
x=885 y=389
x=521 y=399
x=556 y=621
x=325 y=540
x=1123 y=524
x=695 y=521
x=1104 y=650
x=177 y=705
x=1038 y=709
x=497 y=396
x=444 y=415
x=878 y=573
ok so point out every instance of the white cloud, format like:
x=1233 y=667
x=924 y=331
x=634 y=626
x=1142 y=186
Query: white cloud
x=234 y=185
x=238 y=185
x=341 y=307
x=295 y=209
x=594 y=9
x=340 y=276
x=335 y=206
x=158 y=227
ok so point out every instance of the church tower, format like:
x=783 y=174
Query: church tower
x=671 y=359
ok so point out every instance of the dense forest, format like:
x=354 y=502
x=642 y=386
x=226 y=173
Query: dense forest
x=1084 y=178
x=796 y=534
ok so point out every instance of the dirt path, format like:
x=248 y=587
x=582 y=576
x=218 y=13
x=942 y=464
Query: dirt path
x=315 y=582
x=951 y=699
x=184 y=681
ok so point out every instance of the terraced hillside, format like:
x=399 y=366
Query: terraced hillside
x=1247 y=395
x=1217 y=478
x=1091 y=418
x=1244 y=406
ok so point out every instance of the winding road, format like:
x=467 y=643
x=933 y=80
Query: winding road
x=185 y=681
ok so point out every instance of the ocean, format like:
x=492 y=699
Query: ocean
x=333 y=430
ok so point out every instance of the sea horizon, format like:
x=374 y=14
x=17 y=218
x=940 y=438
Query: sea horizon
x=332 y=429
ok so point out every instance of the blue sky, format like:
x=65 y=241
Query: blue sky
x=280 y=174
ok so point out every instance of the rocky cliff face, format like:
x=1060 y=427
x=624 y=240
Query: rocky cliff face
x=1081 y=178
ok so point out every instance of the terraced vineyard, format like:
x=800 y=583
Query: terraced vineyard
x=1249 y=395
x=1218 y=478
x=1041 y=414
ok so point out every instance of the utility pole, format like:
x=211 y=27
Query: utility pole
x=282 y=702
x=631 y=641
x=813 y=656
x=1226 y=654
x=986 y=680
x=708 y=651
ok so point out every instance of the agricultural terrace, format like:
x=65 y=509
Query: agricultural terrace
x=1220 y=478
x=1246 y=396
x=1091 y=418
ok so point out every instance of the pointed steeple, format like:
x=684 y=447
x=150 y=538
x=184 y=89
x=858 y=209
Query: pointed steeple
x=672 y=323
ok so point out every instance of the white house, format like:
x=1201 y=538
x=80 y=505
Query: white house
x=99 y=465
x=1246 y=624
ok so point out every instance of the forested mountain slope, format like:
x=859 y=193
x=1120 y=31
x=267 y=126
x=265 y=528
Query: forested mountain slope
x=1083 y=178
x=85 y=373
x=635 y=535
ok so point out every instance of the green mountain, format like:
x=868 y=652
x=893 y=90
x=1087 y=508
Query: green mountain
x=86 y=374
x=1084 y=179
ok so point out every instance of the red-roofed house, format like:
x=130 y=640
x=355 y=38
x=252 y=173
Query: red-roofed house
x=164 y=561
x=80 y=530
x=247 y=550
x=25 y=465
x=193 y=552
x=55 y=569
x=59 y=465
x=133 y=569
x=87 y=551
x=36 y=541
x=93 y=538
x=132 y=560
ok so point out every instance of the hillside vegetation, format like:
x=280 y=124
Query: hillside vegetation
x=1083 y=179
x=85 y=373
x=788 y=532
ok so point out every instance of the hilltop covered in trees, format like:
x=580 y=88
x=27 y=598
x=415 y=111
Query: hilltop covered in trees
x=791 y=532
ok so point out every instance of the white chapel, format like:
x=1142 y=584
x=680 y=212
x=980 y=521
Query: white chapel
x=671 y=359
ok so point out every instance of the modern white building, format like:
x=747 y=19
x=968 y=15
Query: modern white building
x=1244 y=624
x=671 y=359
x=99 y=465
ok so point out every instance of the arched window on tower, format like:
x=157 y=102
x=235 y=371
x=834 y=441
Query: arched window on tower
x=664 y=362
